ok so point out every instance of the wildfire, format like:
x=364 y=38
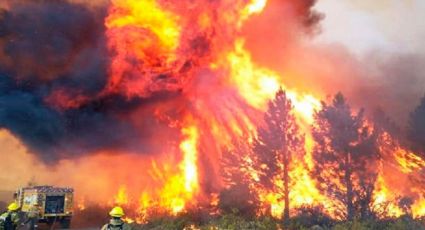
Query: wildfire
x=419 y=209
x=408 y=160
x=159 y=49
x=148 y=15
x=179 y=188
x=383 y=198
x=149 y=101
x=145 y=32
x=121 y=198
x=189 y=177
x=129 y=220
x=258 y=85
x=274 y=201
x=405 y=163
x=81 y=205
x=189 y=164
x=254 y=7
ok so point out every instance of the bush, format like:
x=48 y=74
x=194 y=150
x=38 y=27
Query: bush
x=407 y=223
x=236 y=222
x=353 y=225
x=307 y=219
x=402 y=223
x=310 y=216
x=167 y=223
x=240 y=198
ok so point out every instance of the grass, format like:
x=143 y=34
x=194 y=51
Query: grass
x=233 y=221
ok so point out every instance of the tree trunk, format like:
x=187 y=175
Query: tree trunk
x=286 y=188
x=349 y=185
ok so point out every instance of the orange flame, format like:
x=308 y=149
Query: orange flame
x=181 y=187
x=121 y=198
x=143 y=31
x=150 y=34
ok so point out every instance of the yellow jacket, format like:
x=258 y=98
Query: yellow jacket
x=14 y=216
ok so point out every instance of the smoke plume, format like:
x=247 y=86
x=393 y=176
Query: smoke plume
x=55 y=68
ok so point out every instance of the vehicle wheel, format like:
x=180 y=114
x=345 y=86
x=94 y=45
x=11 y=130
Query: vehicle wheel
x=65 y=223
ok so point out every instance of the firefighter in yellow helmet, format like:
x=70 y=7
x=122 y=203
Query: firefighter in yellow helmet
x=10 y=219
x=116 y=222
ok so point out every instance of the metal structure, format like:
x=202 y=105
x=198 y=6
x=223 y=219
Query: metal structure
x=52 y=204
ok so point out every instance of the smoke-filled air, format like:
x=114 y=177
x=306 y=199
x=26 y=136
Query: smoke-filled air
x=209 y=107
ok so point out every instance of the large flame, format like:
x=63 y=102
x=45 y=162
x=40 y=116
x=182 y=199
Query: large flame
x=181 y=187
x=144 y=31
x=151 y=33
x=150 y=40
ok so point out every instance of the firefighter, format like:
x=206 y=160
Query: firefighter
x=32 y=217
x=10 y=219
x=116 y=221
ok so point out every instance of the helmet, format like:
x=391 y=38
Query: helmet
x=13 y=206
x=117 y=212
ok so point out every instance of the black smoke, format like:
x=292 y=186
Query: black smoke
x=47 y=46
x=50 y=46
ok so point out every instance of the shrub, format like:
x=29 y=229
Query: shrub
x=310 y=216
x=167 y=223
x=240 y=198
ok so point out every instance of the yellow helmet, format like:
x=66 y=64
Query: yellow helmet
x=117 y=212
x=13 y=206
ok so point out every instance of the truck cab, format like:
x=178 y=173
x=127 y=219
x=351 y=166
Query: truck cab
x=52 y=204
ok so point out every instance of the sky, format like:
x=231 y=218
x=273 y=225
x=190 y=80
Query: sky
x=364 y=26
x=387 y=38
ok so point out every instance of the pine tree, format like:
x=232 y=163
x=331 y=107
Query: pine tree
x=345 y=157
x=237 y=165
x=416 y=135
x=235 y=162
x=416 y=132
x=276 y=144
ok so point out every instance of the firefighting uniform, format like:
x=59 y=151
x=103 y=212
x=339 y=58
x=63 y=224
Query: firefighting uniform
x=14 y=217
x=116 y=224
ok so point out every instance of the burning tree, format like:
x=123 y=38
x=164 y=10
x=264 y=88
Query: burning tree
x=382 y=123
x=420 y=180
x=417 y=127
x=345 y=157
x=239 y=193
x=277 y=141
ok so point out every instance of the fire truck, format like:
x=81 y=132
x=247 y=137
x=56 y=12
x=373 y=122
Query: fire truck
x=54 y=204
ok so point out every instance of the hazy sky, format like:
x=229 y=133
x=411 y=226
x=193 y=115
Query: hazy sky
x=367 y=25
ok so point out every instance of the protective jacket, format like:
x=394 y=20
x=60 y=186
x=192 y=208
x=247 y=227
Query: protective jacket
x=9 y=220
x=32 y=218
x=116 y=224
